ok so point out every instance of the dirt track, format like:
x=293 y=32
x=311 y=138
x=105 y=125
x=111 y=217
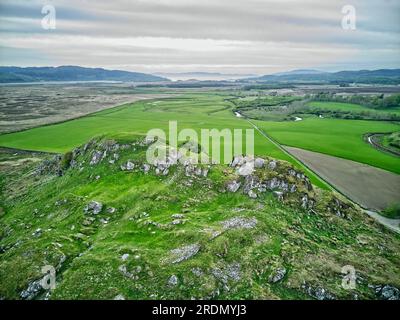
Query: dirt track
x=371 y=187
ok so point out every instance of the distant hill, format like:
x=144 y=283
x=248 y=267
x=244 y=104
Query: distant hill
x=382 y=76
x=71 y=73
x=299 y=72
x=215 y=76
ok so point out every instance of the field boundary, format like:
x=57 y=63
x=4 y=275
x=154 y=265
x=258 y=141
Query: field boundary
x=369 y=138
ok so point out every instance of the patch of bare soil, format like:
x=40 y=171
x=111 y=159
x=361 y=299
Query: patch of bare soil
x=370 y=187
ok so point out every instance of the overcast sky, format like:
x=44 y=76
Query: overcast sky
x=229 y=36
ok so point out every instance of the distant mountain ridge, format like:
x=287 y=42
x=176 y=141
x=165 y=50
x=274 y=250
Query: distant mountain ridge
x=71 y=73
x=383 y=76
x=199 y=75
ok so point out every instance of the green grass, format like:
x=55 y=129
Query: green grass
x=348 y=107
x=336 y=137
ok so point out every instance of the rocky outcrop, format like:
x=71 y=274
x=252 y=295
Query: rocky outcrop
x=387 y=292
x=318 y=293
x=183 y=253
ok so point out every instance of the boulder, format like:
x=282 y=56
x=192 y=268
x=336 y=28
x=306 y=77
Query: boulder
x=246 y=169
x=252 y=194
x=239 y=223
x=183 y=253
x=34 y=288
x=130 y=166
x=277 y=275
x=93 y=207
x=237 y=161
x=173 y=280
x=259 y=163
x=233 y=186
x=387 y=292
x=272 y=165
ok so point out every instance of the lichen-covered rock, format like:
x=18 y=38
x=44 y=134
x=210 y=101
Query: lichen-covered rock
x=233 y=186
x=387 y=292
x=93 y=207
x=277 y=275
x=173 y=280
x=239 y=223
x=34 y=288
x=183 y=253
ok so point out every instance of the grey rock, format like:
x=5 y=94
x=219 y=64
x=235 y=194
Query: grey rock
x=111 y=210
x=259 y=163
x=239 y=223
x=146 y=167
x=233 y=186
x=119 y=297
x=252 y=194
x=177 y=221
x=230 y=272
x=183 y=253
x=178 y=216
x=272 y=165
x=130 y=166
x=387 y=292
x=246 y=169
x=278 y=195
x=93 y=207
x=304 y=201
x=125 y=256
x=96 y=157
x=173 y=280
x=37 y=233
x=237 y=161
x=318 y=293
x=274 y=183
x=277 y=275
x=34 y=288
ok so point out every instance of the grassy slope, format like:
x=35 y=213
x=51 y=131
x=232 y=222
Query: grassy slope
x=341 y=138
x=312 y=247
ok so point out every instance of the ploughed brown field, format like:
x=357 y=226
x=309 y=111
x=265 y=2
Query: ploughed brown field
x=370 y=187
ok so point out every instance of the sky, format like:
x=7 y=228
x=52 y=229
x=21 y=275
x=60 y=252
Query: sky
x=227 y=36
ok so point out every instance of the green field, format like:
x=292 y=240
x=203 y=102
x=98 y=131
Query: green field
x=349 y=108
x=341 y=138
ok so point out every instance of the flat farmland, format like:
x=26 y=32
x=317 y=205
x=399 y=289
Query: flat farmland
x=336 y=137
x=368 y=186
